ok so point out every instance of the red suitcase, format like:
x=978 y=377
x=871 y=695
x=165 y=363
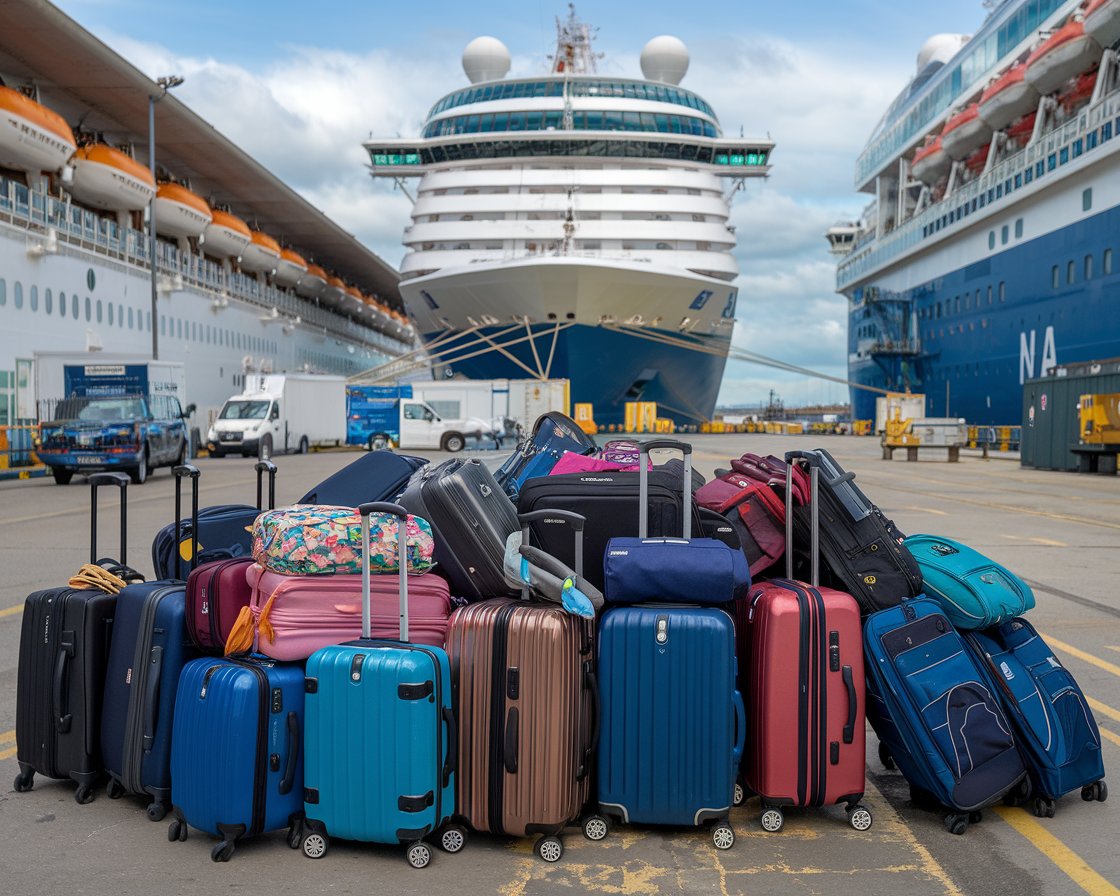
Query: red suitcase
x=806 y=731
x=216 y=593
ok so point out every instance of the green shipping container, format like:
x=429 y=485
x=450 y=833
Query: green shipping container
x=1051 y=426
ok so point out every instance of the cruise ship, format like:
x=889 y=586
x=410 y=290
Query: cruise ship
x=575 y=225
x=249 y=277
x=986 y=256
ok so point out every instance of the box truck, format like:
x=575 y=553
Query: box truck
x=394 y=416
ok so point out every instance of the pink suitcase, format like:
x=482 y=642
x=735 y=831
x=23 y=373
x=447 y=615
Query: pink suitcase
x=293 y=616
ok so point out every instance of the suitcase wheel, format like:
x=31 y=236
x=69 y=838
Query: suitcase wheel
x=739 y=796
x=595 y=827
x=23 y=781
x=453 y=838
x=222 y=851
x=176 y=831
x=772 y=820
x=315 y=844
x=114 y=789
x=1043 y=808
x=157 y=811
x=1098 y=791
x=550 y=849
x=956 y=824
x=1019 y=794
x=419 y=854
x=295 y=835
x=83 y=795
x=885 y=757
x=723 y=836
x=860 y=818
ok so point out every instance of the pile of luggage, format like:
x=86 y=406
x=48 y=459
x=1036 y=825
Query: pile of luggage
x=415 y=651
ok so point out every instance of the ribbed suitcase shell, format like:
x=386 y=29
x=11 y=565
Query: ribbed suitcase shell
x=523 y=676
x=673 y=725
x=216 y=593
x=310 y=612
x=366 y=747
x=236 y=765
x=807 y=741
x=148 y=651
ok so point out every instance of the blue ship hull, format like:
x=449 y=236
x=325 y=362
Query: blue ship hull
x=985 y=328
x=606 y=368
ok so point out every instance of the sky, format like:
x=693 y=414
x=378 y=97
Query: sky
x=299 y=86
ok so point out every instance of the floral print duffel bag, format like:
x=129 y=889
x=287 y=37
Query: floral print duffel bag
x=316 y=540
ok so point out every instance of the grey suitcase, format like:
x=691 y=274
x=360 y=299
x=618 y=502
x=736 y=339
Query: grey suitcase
x=471 y=519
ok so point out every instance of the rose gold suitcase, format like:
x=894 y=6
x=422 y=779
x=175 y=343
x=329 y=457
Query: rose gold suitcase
x=522 y=672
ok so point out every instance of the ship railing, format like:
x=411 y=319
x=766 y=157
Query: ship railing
x=912 y=232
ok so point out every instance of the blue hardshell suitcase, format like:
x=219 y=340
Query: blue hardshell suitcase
x=1051 y=717
x=236 y=763
x=552 y=435
x=380 y=738
x=149 y=648
x=673 y=724
x=937 y=712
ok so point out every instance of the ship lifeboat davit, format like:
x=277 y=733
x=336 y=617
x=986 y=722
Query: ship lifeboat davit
x=262 y=255
x=107 y=178
x=32 y=137
x=290 y=269
x=180 y=213
x=1102 y=21
x=931 y=162
x=965 y=132
x=1008 y=97
x=312 y=283
x=226 y=236
x=1067 y=52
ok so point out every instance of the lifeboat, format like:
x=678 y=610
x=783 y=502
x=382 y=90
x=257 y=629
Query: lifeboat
x=1020 y=132
x=312 y=283
x=180 y=213
x=107 y=178
x=334 y=293
x=965 y=132
x=32 y=137
x=262 y=255
x=931 y=162
x=1079 y=92
x=1102 y=21
x=975 y=163
x=1007 y=97
x=226 y=236
x=290 y=269
x=1065 y=53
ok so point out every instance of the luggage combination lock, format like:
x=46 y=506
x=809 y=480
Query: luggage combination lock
x=662 y=635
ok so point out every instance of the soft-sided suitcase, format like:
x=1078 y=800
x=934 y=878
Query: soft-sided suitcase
x=860 y=547
x=380 y=739
x=937 y=712
x=216 y=594
x=375 y=476
x=471 y=518
x=1054 y=725
x=212 y=533
x=974 y=592
x=553 y=434
x=805 y=688
x=682 y=570
x=236 y=764
x=673 y=723
x=63 y=649
x=525 y=691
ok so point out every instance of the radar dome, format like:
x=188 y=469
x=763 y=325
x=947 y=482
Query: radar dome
x=665 y=59
x=485 y=59
x=941 y=48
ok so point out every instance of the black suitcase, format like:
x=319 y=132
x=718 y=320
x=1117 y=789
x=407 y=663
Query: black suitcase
x=375 y=476
x=63 y=651
x=471 y=520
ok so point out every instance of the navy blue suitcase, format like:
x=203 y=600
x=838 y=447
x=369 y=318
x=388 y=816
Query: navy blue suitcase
x=1055 y=726
x=375 y=476
x=236 y=763
x=552 y=435
x=673 y=724
x=938 y=713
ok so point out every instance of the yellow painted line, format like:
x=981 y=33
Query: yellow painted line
x=1103 y=709
x=11 y=611
x=1112 y=647
x=1066 y=860
x=1049 y=542
x=1108 y=735
x=8 y=737
x=1082 y=655
x=7 y=754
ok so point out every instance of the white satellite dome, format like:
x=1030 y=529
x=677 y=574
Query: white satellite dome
x=665 y=59
x=941 y=48
x=485 y=59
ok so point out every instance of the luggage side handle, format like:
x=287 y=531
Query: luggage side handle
x=62 y=719
x=262 y=467
x=510 y=747
x=95 y=481
x=592 y=683
x=740 y=727
x=849 y=683
x=451 y=763
x=151 y=698
x=179 y=472
x=293 y=754
x=365 y=511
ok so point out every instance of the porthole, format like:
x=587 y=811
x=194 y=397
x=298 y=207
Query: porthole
x=17 y=294
x=48 y=301
x=33 y=298
x=99 y=310
x=74 y=306
x=89 y=310
x=131 y=319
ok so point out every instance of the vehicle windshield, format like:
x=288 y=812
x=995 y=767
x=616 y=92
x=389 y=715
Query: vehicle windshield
x=97 y=410
x=244 y=410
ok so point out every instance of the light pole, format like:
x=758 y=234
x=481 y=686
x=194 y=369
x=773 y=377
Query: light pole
x=165 y=83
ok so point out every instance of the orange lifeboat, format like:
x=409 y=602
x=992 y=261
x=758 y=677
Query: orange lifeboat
x=262 y=255
x=1067 y=52
x=334 y=292
x=32 y=137
x=179 y=212
x=1007 y=97
x=226 y=236
x=312 y=283
x=1102 y=21
x=965 y=132
x=931 y=162
x=1079 y=92
x=975 y=163
x=107 y=178
x=290 y=269
x=1020 y=132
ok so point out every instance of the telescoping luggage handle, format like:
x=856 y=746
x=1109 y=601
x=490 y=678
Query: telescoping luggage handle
x=814 y=462
x=262 y=467
x=365 y=511
x=643 y=483
x=120 y=480
x=575 y=520
x=181 y=472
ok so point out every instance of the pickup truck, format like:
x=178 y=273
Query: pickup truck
x=134 y=434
